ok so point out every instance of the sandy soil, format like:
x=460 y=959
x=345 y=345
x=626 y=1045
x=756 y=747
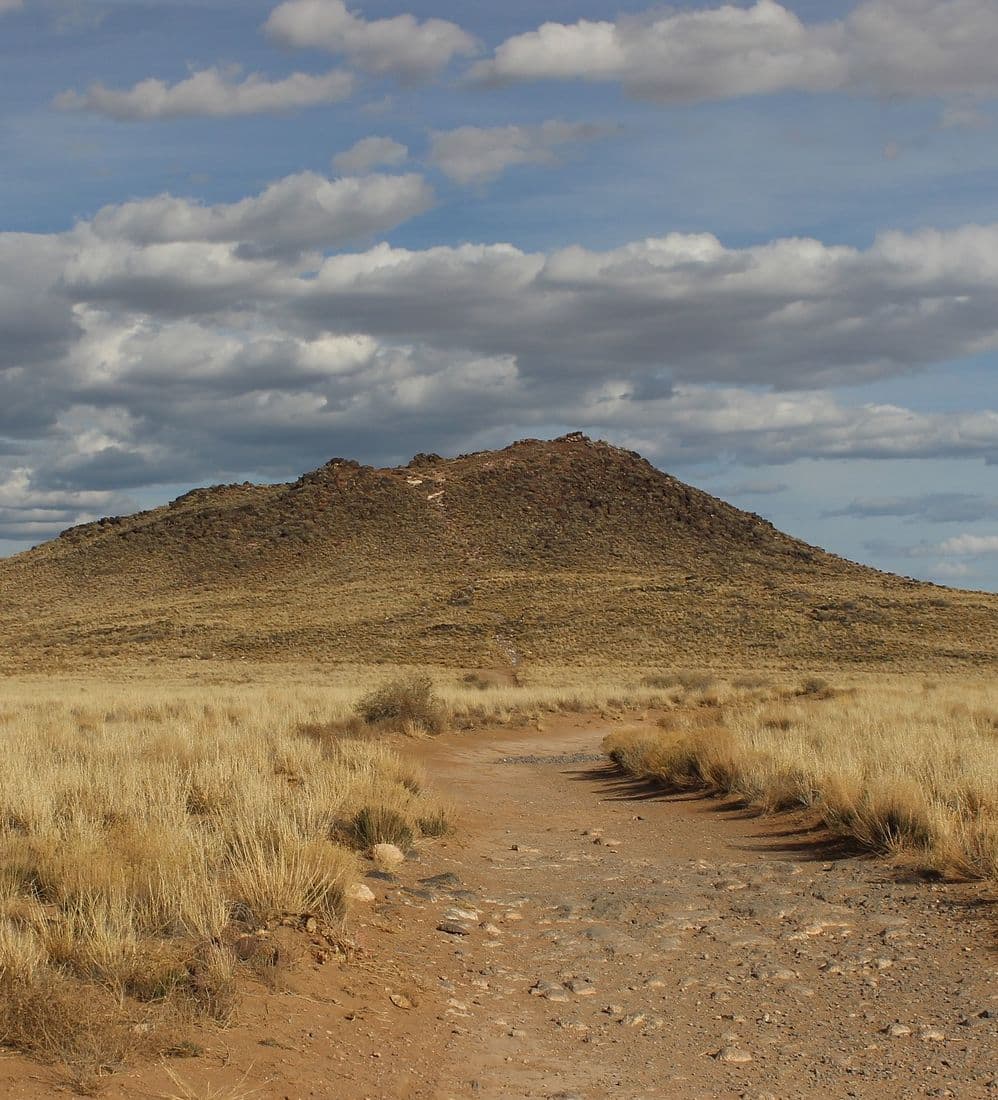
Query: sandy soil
x=582 y=936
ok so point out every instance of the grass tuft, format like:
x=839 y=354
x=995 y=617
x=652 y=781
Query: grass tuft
x=404 y=705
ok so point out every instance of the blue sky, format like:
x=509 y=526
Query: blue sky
x=756 y=241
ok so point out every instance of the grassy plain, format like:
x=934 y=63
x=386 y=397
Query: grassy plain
x=157 y=835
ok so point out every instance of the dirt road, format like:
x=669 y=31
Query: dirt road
x=643 y=946
x=583 y=937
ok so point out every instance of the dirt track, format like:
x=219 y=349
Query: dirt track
x=583 y=937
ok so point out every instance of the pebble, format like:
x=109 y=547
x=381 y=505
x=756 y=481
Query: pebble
x=931 y=1035
x=733 y=1055
x=357 y=891
x=447 y=878
x=452 y=928
x=550 y=991
x=581 y=987
x=387 y=855
x=462 y=914
x=897 y=1031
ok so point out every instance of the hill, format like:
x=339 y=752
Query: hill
x=568 y=551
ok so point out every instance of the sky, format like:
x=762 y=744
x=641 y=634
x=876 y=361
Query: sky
x=756 y=242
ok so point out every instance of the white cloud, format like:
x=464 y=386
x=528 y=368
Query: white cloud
x=30 y=513
x=969 y=545
x=301 y=212
x=793 y=313
x=370 y=152
x=165 y=341
x=952 y=570
x=889 y=47
x=209 y=93
x=471 y=154
x=402 y=46
x=10 y=5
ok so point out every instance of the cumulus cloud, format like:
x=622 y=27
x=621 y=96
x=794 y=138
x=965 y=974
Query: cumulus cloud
x=696 y=422
x=209 y=93
x=300 y=212
x=166 y=341
x=402 y=46
x=370 y=152
x=887 y=47
x=472 y=154
x=30 y=513
x=792 y=313
x=970 y=545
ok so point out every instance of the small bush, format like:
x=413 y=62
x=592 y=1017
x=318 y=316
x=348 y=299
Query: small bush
x=404 y=704
x=814 y=687
x=434 y=824
x=381 y=825
x=751 y=683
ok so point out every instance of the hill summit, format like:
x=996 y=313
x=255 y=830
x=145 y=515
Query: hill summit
x=564 y=551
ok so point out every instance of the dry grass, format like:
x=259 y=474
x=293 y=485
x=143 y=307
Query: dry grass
x=903 y=770
x=407 y=705
x=143 y=833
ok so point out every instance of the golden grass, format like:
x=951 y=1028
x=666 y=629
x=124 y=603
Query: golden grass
x=142 y=833
x=902 y=768
x=146 y=829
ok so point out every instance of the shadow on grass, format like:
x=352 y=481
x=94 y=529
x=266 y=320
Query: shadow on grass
x=788 y=834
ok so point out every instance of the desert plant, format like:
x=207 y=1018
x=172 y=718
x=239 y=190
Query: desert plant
x=435 y=823
x=381 y=825
x=140 y=837
x=404 y=704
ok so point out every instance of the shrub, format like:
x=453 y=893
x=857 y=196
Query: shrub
x=381 y=825
x=814 y=687
x=435 y=823
x=404 y=704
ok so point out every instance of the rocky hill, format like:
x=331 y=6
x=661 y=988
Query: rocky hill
x=568 y=551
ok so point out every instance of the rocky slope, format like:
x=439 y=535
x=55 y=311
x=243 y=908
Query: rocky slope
x=568 y=551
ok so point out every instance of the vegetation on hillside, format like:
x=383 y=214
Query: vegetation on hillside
x=563 y=552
